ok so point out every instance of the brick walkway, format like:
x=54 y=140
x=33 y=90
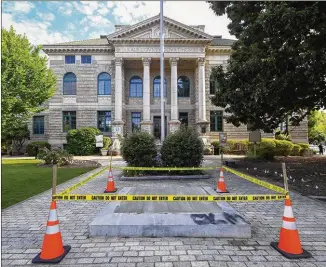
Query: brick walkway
x=23 y=227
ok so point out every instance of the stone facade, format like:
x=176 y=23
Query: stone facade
x=134 y=51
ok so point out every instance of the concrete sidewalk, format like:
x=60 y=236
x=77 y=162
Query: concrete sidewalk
x=23 y=227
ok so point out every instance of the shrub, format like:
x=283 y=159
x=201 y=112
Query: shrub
x=55 y=156
x=33 y=148
x=304 y=149
x=283 y=136
x=82 y=141
x=184 y=148
x=139 y=150
x=283 y=147
x=208 y=151
x=235 y=147
x=266 y=149
x=106 y=142
x=295 y=150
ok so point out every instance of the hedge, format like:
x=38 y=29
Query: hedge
x=33 y=148
x=82 y=141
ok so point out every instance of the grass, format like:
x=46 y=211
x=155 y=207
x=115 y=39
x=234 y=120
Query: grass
x=22 y=179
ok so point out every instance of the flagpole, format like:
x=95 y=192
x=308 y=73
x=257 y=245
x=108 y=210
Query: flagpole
x=162 y=71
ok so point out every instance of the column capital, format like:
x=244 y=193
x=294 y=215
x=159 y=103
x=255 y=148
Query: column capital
x=146 y=61
x=174 y=61
x=201 y=61
x=118 y=61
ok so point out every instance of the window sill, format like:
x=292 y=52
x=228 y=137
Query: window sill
x=104 y=95
x=135 y=96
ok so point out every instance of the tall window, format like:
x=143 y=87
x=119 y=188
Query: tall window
x=157 y=86
x=86 y=59
x=70 y=59
x=136 y=87
x=38 y=124
x=135 y=121
x=68 y=120
x=104 y=83
x=183 y=118
x=104 y=121
x=216 y=121
x=183 y=86
x=213 y=86
x=69 y=84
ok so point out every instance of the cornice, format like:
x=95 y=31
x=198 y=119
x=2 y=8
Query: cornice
x=157 y=41
x=60 y=49
x=219 y=49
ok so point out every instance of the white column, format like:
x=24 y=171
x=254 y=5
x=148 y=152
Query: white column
x=146 y=90
x=201 y=89
x=118 y=90
x=174 y=89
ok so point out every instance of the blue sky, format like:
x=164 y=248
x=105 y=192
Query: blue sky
x=46 y=22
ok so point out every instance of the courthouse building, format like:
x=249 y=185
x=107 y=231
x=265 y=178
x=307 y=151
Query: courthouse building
x=113 y=83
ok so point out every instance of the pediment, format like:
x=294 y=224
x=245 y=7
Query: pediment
x=150 y=29
x=154 y=32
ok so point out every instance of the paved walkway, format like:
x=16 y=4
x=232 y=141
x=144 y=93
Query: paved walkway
x=23 y=227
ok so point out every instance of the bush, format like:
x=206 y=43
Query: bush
x=55 y=156
x=266 y=149
x=304 y=149
x=184 y=148
x=33 y=148
x=295 y=150
x=82 y=141
x=283 y=147
x=233 y=147
x=106 y=142
x=139 y=150
x=283 y=136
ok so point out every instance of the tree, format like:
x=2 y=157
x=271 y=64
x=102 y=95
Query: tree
x=17 y=136
x=26 y=81
x=317 y=127
x=277 y=67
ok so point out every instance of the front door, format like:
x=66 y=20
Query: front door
x=157 y=127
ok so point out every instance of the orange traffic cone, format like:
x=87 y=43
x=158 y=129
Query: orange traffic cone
x=110 y=187
x=289 y=244
x=52 y=250
x=221 y=186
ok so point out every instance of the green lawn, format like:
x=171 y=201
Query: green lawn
x=22 y=179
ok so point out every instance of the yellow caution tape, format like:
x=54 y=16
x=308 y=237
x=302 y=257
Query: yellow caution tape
x=170 y=198
x=167 y=168
x=75 y=186
x=257 y=181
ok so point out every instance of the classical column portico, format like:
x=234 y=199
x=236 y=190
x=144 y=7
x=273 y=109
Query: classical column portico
x=146 y=124
x=174 y=123
x=202 y=121
x=118 y=123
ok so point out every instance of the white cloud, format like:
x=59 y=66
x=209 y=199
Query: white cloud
x=37 y=32
x=86 y=7
x=20 y=6
x=46 y=16
x=66 y=9
x=96 y=21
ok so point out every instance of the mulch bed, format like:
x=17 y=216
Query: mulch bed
x=76 y=164
x=306 y=175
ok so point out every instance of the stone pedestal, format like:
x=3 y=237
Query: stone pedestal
x=146 y=126
x=174 y=125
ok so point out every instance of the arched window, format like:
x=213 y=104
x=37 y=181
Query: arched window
x=104 y=84
x=136 y=87
x=183 y=86
x=69 y=84
x=157 y=87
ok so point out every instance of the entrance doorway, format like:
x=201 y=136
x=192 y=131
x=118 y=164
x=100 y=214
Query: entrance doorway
x=157 y=127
